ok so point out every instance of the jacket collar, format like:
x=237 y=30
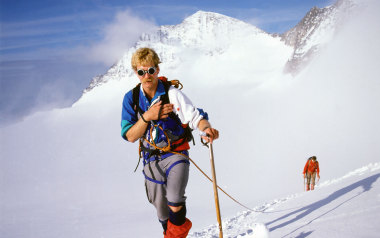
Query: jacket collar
x=159 y=91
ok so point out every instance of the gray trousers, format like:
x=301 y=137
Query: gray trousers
x=311 y=177
x=165 y=183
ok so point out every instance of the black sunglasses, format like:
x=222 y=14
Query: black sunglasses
x=150 y=71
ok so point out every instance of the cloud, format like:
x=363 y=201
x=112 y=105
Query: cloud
x=118 y=36
x=35 y=58
x=38 y=27
x=53 y=36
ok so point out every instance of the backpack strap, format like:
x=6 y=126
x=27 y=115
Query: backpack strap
x=136 y=99
x=165 y=97
x=137 y=108
x=187 y=136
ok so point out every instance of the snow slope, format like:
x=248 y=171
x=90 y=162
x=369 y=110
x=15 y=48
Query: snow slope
x=344 y=207
x=68 y=173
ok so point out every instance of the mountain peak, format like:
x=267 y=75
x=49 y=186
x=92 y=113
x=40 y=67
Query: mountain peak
x=313 y=31
x=207 y=18
x=210 y=33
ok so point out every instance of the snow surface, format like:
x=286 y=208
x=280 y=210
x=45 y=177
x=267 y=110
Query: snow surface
x=344 y=207
x=68 y=173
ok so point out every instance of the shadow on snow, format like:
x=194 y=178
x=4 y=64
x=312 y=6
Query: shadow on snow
x=366 y=184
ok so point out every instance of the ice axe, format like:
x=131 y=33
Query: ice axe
x=215 y=185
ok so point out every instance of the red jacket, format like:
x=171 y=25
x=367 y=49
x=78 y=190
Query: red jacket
x=311 y=166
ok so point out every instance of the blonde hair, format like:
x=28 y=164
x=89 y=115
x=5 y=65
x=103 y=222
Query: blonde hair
x=145 y=56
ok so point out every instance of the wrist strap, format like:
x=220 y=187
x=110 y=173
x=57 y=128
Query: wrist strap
x=144 y=119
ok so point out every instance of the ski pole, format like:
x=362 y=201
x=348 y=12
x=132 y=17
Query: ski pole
x=304 y=183
x=216 y=192
x=215 y=185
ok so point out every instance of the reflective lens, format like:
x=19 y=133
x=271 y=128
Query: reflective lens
x=150 y=71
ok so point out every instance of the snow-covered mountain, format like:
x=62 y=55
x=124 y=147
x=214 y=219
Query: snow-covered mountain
x=68 y=173
x=206 y=33
x=212 y=34
x=314 y=31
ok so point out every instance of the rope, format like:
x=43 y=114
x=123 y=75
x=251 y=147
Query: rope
x=164 y=149
x=167 y=149
x=232 y=198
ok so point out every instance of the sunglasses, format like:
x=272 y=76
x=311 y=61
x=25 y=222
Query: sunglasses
x=150 y=71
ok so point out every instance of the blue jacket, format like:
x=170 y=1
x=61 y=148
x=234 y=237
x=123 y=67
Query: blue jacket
x=183 y=108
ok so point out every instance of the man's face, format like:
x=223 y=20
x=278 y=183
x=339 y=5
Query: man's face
x=148 y=75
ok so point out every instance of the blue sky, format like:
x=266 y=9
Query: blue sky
x=50 y=50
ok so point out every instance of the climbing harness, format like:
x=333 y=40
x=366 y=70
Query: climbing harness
x=170 y=147
x=180 y=140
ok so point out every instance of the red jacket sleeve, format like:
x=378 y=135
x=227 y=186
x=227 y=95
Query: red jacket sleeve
x=318 y=168
x=305 y=168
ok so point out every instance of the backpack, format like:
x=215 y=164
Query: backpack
x=186 y=136
x=314 y=165
x=165 y=99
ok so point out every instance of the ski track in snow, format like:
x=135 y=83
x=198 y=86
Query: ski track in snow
x=243 y=224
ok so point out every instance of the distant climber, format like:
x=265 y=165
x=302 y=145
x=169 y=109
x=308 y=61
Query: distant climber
x=310 y=171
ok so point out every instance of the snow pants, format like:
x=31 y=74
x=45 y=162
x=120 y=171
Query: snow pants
x=165 y=183
x=311 y=178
